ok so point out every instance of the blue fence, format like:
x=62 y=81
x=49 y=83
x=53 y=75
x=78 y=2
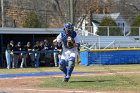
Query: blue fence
x=110 y=57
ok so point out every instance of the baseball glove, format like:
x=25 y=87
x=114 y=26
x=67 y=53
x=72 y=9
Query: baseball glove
x=70 y=42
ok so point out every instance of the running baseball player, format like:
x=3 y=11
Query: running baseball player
x=70 y=45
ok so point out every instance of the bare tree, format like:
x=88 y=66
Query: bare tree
x=57 y=8
x=88 y=7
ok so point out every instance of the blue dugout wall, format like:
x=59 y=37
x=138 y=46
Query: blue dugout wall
x=110 y=56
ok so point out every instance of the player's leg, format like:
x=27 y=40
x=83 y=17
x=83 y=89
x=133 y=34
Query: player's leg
x=70 y=67
x=13 y=60
x=55 y=55
x=62 y=66
x=32 y=59
x=71 y=64
x=62 y=62
x=23 y=62
x=8 y=60
x=37 y=60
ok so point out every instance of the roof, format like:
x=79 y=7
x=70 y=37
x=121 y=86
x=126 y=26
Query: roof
x=30 y=30
x=95 y=21
x=99 y=17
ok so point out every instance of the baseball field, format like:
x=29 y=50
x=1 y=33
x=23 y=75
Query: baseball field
x=85 y=79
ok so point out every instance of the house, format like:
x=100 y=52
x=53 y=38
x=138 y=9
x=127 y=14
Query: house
x=122 y=24
x=81 y=26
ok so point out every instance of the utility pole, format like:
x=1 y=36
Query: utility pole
x=2 y=14
x=71 y=11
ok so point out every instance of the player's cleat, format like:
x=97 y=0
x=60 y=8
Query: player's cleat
x=66 y=80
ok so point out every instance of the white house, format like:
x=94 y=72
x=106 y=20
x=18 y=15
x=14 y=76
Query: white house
x=122 y=24
x=82 y=25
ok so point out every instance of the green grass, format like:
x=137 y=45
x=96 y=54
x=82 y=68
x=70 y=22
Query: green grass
x=102 y=83
x=116 y=82
x=28 y=70
x=78 y=68
x=107 y=68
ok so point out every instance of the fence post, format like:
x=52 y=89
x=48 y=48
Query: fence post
x=124 y=31
x=139 y=31
x=107 y=30
x=99 y=41
x=84 y=38
x=91 y=30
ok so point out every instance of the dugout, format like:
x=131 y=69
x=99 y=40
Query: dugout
x=110 y=56
x=24 y=35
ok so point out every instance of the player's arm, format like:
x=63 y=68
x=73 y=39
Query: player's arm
x=58 y=40
x=77 y=42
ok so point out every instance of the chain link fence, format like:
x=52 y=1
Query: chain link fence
x=108 y=31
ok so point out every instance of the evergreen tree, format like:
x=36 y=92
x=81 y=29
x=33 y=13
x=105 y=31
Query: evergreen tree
x=135 y=26
x=113 y=30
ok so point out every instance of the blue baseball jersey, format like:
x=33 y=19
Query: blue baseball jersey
x=62 y=38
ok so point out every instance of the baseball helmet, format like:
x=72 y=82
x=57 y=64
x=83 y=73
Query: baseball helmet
x=68 y=27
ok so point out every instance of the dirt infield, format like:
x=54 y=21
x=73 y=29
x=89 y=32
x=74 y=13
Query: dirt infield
x=24 y=85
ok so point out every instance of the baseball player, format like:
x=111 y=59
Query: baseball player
x=69 y=40
x=18 y=48
x=28 y=47
x=37 y=47
x=7 y=55
x=12 y=55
